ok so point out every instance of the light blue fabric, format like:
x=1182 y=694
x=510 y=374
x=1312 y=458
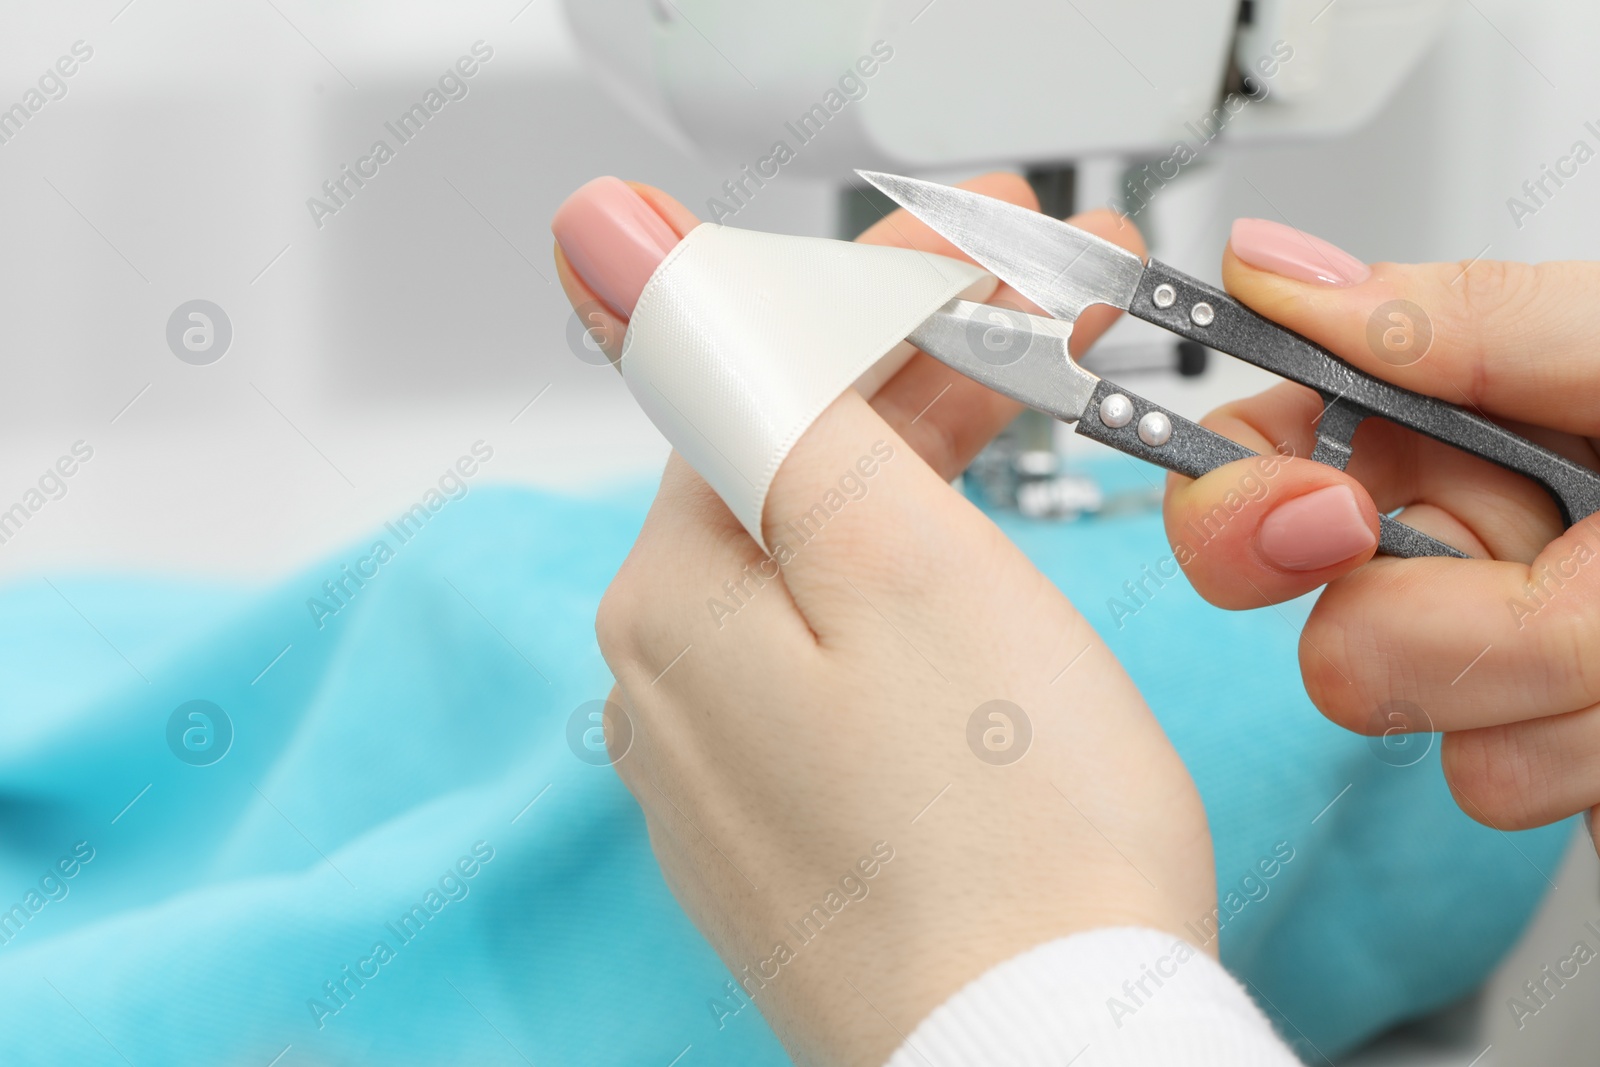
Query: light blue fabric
x=428 y=719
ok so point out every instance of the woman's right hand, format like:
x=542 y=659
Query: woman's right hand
x=1502 y=653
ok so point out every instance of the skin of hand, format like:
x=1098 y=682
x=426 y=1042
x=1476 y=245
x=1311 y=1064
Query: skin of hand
x=1501 y=653
x=782 y=751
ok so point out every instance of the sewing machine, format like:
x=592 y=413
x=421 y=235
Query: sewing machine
x=1100 y=111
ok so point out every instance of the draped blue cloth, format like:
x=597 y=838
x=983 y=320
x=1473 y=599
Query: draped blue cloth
x=238 y=825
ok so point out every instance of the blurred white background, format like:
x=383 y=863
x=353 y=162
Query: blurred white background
x=368 y=353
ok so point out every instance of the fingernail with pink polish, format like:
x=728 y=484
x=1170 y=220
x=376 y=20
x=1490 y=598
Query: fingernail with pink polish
x=613 y=239
x=1272 y=246
x=1315 y=531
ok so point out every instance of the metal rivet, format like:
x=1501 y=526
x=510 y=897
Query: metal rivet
x=1164 y=296
x=1202 y=314
x=1116 y=411
x=1155 y=429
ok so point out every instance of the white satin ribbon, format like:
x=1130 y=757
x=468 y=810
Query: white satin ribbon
x=741 y=339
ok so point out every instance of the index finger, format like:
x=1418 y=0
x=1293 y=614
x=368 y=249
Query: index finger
x=1514 y=340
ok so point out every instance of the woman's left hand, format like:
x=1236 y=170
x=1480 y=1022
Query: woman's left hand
x=903 y=758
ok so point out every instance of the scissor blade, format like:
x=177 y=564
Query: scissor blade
x=1059 y=267
x=1022 y=356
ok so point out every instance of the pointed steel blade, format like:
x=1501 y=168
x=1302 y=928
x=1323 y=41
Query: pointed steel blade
x=1059 y=267
x=1022 y=356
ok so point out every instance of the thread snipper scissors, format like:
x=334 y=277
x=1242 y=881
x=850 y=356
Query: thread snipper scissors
x=1065 y=270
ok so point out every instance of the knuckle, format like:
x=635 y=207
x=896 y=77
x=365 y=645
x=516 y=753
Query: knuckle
x=1482 y=778
x=1485 y=303
x=1329 y=651
x=1494 y=774
x=1326 y=689
x=1488 y=290
x=619 y=733
x=616 y=617
x=1571 y=650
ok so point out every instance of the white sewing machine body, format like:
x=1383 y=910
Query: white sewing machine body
x=923 y=86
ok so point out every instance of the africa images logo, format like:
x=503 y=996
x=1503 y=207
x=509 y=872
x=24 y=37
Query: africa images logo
x=453 y=484
x=452 y=85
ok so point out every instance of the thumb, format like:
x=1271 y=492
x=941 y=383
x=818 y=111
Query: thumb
x=1274 y=527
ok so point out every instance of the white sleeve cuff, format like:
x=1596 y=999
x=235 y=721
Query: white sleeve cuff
x=1123 y=997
